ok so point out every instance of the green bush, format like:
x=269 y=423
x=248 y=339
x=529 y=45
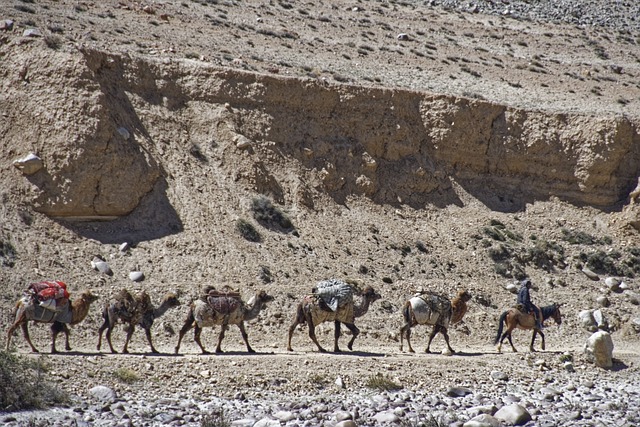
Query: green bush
x=126 y=375
x=248 y=231
x=380 y=382
x=216 y=418
x=269 y=215
x=25 y=385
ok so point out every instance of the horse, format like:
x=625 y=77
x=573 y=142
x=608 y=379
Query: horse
x=515 y=318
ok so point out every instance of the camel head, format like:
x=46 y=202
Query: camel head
x=463 y=295
x=264 y=297
x=88 y=297
x=171 y=299
x=370 y=294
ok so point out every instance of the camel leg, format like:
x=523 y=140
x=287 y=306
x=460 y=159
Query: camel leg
x=25 y=332
x=354 y=334
x=434 y=332
x=312 y=335
x=245 y=337
x=102 y=328
x=11 y=331
x=56 y=328
x=336 y=336
x=108 y=335
x=223 y=329
x=292 y=328
x=446 y=338
x=196 y=338
x=147 y=332
x=129 y=331
x=188 y=324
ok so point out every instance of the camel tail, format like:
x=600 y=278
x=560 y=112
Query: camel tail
x=406 y=313
x=500 y=324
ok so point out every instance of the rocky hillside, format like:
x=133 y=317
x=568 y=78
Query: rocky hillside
x=271 y=145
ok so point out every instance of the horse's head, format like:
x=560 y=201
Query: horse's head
x=556 y=314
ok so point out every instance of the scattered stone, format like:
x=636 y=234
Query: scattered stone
x=101 y=266
x=512 y=287
x=32 y=32
x=603 y=301
x=499 y=376
x=599 y=349
x=285 y=416
x=103 y=394
x=242 y=142
x=587 y=320
x=613 y=284
x=513 y=414
x=124 y=132
x=346 y=423
x=403 y=37
x=483 y=420
x=590 y=274
x=29 y=164
x=339 y=382
x=601 y=320
x=386 y=417
x=136 y=276
x=458 y=391
x=124 y=247
x=6 y=25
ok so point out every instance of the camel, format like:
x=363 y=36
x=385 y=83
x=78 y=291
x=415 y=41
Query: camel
x=310 y=311
x=436 y=310
x=133 y=311
x=224 y=309
x=25 y=310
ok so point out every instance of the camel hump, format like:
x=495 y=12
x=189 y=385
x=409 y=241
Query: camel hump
x=334 y=293
x=224 y=304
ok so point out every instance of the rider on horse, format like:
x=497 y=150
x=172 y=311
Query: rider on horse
x=525 y=299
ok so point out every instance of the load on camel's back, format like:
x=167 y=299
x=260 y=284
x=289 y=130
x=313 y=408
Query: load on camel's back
x=334 y=294
x=51 y=295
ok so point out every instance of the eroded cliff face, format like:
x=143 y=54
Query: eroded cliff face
x=112 y=128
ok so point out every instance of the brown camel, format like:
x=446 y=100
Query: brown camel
x=436 y=310
x=312 y=311
x=132 y=311
x=222 y=308
x=26 y=310
x=515 y=318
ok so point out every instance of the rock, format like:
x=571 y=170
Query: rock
x=512 y=287
x=613 y=284
x=403 y=37
x=343 y=416
x=346 y=423
x=446 y=351
x=101 y=266
x=103 y=394
x=587 y=321
x=386 y=417
x=568 y=366
x=513 y=414
x=32 y=32
x=339 y=382
x=499 y=376
x=285 y=416
x=136 y=276
x=601 y=320
x=124 y=132
x=124 y=247
x=267 y=422
x=6 y=25
x=242 y=142
x=458 y=391
x=603 y=301
x=590 y=274
x=483 y=420
x=29 y=164
x=599 y=349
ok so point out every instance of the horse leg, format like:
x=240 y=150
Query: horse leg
x=336 y=336
x=25 y=332
x=196 y=338
x=510 y=341
x=435 y=330
x=223 y=329
x=354 y=334
x=245 y=337
x=147 y=332
x=541 y=335
x=129 y=330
